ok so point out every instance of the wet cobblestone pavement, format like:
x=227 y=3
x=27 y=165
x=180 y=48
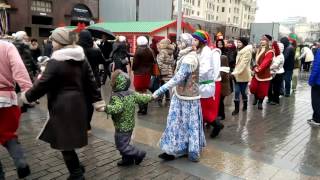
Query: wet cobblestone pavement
x=276 y=143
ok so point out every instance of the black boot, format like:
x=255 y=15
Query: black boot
x=260 y=101
x=217 y=127
x=138 y=159
x=255 y=101
x=1 y=172
x=140 y=109
x=126 y=161
x=144 y=110
x=72 y=162
x=166 y=157
x=245 y=105
x=15 y=150
x=236 y=108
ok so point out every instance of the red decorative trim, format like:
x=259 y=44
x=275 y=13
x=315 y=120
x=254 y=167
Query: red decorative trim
x=174 y=24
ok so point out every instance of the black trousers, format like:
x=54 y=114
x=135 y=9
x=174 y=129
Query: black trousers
x=90 y=110
x=306 y=66
x=315 y=100
x=1 y=172
x=122 y=141
x=73 y=164
x=275 y=88
x=221 y=112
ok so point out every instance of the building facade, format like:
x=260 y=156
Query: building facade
x=236 y=15
x=39 y=17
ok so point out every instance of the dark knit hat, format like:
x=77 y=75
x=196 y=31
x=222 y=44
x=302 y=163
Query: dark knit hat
x=244 y=40
x=267 y=37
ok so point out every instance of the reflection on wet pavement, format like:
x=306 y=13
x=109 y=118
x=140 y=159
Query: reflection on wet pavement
x=275 y=143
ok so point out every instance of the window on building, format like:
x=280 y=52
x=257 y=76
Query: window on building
x=192 y=12
x=198 y=13
x=217 y=8
x=229 y=20
x=229 y=10
x=223 y=1
x=222 y=10
x=217 y=18
x=199 y=3
x=41 y=6
x=193 y=2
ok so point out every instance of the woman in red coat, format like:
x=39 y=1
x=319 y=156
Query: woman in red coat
x=142 y=68
x=262 y=77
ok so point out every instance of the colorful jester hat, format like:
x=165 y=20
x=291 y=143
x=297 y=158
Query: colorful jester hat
x=201 y=35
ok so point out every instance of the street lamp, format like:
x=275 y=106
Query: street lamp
x=179 y=21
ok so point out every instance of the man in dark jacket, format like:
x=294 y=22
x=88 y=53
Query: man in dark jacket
x=25 y=53
x=289 y=54
x=96 y=61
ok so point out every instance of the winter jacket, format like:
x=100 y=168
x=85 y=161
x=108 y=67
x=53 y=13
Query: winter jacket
x=242 y=72
x=35 y=52
x=307 y=54
x=143 y=61
x=225 y=76
x=207 y=71
x=231 y=53
x=68 y=82
x=314 y=79
x=94 y=57
x=165 y=59
x=264 y=62
x=123 y=101
x=289 y=54
x=278 y=62
x=29 y=62
x=12 y=71
x=120 y=56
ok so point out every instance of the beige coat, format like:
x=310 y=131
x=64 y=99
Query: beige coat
x=242 y=72
x=165 y=59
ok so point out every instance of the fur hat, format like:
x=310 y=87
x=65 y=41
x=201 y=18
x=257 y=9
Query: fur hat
x=63 y=36
x=202 y=36
x=165 y=44
x=142 y=41
x=20 y=35
x=186 y=38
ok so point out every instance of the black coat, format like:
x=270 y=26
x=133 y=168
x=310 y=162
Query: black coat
x=94 y=57
x=289 y=54
x=26 y=56
x=68 y=85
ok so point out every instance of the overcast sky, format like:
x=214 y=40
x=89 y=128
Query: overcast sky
x=278 y=10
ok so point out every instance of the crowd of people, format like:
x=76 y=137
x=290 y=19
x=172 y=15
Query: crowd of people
x=193 y=75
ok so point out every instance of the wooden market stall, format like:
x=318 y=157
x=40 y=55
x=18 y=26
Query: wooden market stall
x=132 y=30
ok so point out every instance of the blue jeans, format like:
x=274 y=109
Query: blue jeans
x=287 y=76
x=240 y=87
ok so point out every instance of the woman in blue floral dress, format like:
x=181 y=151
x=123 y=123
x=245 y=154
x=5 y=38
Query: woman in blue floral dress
x=184 y=133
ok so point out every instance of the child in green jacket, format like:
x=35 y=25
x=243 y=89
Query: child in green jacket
x=122 y=109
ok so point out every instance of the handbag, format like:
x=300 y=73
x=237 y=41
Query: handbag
x=155 y=66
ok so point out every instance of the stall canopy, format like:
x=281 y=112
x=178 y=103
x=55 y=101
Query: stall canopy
x=138 y=27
